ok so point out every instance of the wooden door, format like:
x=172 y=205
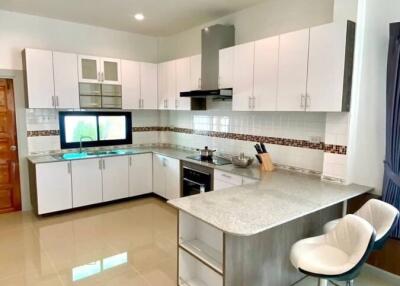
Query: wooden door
x=292 y=76
x=10 y=196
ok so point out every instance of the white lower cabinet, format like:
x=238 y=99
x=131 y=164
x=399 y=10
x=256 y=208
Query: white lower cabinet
x=166 y=177
x=87 y=186
x=53 y=186
x=115 y=178
x=225 y=180
x=200 y=252
x=140 y=174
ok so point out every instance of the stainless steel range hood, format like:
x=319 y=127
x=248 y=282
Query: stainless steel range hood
x=213 y=39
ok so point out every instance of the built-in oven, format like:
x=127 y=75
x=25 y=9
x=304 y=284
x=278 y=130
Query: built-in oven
x=196 y=179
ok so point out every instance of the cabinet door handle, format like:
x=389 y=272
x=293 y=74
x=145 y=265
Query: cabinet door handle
x=53 y=102
x=249 y=102
x=100 y=164
x=130 y=161
x=254 y=102
x=226 y=176
x=104 y=164
x=57 y=102
x=69 y=168
x=98 y=76
x=302 y=98
x=308 y=101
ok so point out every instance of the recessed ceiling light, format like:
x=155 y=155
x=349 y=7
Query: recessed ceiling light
x=139 y=16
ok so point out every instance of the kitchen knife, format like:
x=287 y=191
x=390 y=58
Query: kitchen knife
x=263 y=148
x=258 y=149
x=259 y=159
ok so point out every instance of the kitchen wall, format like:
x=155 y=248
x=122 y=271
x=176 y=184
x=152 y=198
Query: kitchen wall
x=272 y=17
x=18 y=31
x=233 y=132
x=43 y=128
x=367 y=122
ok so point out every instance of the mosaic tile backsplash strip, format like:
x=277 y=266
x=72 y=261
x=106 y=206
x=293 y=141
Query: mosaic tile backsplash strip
x=294 y=139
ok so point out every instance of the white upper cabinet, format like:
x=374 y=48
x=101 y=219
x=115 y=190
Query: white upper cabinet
x=183 y=83
x=140 y=174
x=89 y=68
x=115 y=178
x=243 y=77
x=66 y=86
x=167 y=85
x=40 y=78
x=130 y=84
x=195 y=72
x=99 y=70
x=226 y=63
x=148 y=86
x=266 y=60
x=292 y=76
x=329 y=83
x=110 y=71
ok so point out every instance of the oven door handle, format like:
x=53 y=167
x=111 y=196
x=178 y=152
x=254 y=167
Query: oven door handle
x=193 y=182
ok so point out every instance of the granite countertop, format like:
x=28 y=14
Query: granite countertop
x=279 y=197
x=180 y=154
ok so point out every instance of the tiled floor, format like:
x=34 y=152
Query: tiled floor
x=130 y=243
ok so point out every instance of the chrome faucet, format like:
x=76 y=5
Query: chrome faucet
x=80 y=142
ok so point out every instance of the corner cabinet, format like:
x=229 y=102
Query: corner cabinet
x=166 y=177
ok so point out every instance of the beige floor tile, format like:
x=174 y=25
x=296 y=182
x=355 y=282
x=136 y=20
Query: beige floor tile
x=128 y=243
x=29 y=280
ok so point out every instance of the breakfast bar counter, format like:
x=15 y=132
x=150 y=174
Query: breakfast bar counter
x=242 y=236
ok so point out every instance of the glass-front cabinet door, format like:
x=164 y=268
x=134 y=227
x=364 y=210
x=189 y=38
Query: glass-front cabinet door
x=89 y=69
x=111 y=71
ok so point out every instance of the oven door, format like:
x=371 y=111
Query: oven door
x=194 y=181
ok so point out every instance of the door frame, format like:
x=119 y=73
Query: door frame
x=17 y=202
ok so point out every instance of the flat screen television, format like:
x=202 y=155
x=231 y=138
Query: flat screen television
x=94 y=128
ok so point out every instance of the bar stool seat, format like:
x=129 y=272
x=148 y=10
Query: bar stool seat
x=382 y=216
x=338 y=254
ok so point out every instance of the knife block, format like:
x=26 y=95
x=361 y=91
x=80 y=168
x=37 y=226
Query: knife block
x=266 y=165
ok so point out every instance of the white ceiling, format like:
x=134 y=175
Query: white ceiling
x=163 y=17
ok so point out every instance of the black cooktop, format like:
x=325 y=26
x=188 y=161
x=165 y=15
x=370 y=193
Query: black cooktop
x=219 y=161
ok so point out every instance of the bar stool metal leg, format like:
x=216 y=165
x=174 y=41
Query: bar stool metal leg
x=350 y=283
x=322 y=282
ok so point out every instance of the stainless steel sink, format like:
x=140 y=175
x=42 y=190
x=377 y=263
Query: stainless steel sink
x=91 y=154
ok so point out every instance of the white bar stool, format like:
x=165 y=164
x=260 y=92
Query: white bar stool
x=337 y=255
x=382 y=216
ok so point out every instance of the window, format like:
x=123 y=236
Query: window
x=95 y=129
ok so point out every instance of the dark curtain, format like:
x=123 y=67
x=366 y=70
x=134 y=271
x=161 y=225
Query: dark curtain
x=391 y=182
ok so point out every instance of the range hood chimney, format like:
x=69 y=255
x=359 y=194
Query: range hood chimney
x=213 y=39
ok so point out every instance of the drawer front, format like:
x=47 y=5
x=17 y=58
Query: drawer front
x=227 y=178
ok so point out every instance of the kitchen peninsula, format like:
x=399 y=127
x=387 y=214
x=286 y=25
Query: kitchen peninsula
x=242 y=236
